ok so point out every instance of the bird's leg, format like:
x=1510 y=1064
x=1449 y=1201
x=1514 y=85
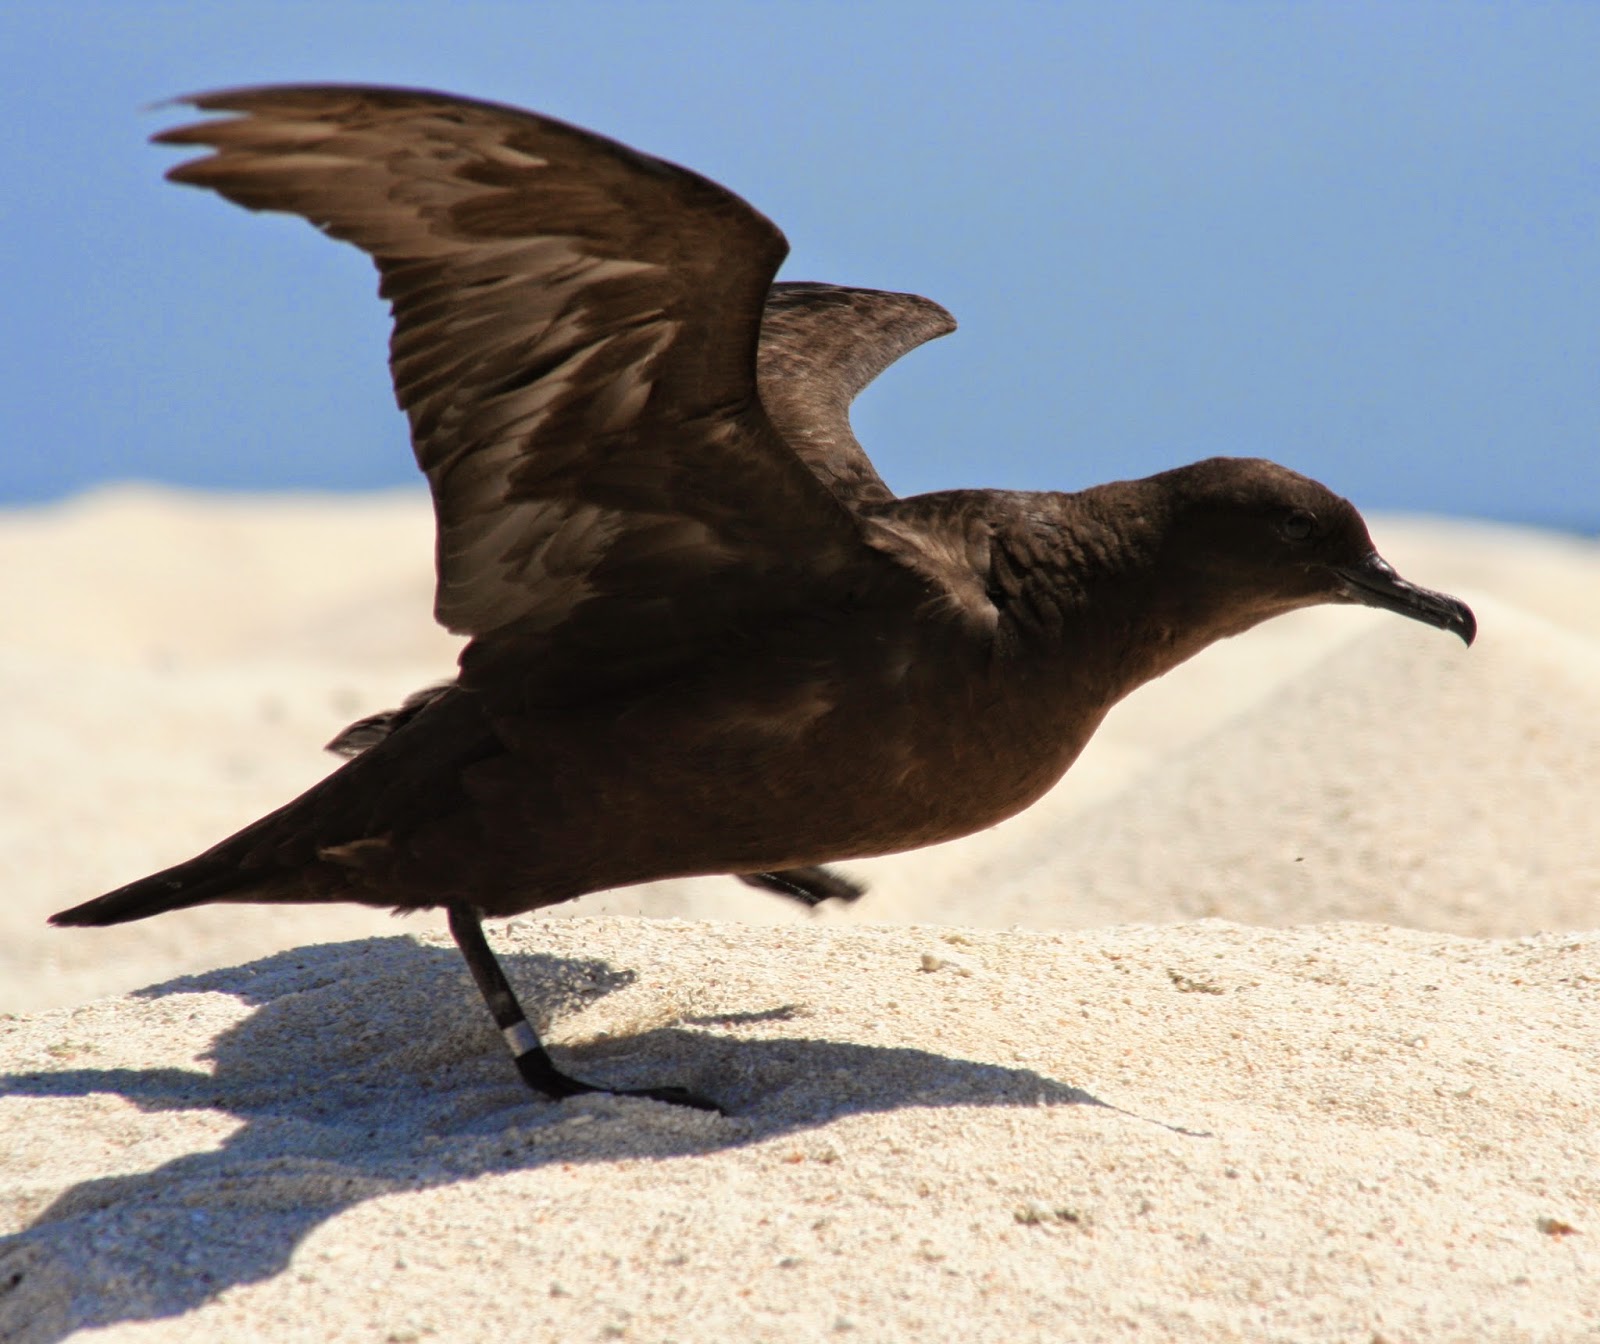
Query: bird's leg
x=538 y=1070
x=810 y=886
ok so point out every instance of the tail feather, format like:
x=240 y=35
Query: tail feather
x=331 y=843
x=210 y=877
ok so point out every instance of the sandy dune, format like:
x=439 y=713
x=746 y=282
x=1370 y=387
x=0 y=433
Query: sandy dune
x=1125 y=1117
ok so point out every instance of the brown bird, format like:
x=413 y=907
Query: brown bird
x=705 y=636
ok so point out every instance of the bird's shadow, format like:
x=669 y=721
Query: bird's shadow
x=370 y=1068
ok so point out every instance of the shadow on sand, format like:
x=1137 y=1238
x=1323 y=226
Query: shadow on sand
x=370 y=1068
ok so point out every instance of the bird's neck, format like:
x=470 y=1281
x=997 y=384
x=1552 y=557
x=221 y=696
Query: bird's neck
x=1098 y=603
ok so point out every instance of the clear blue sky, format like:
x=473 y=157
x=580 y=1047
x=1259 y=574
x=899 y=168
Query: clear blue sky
x=1360 y=238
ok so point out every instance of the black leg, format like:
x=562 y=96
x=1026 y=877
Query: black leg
x=538 y=1070
x=810 y=886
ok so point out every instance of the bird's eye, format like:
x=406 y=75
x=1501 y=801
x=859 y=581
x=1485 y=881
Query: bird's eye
x=1299 y=525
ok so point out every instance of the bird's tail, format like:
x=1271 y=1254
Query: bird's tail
x=326 y=844
x=213 y=876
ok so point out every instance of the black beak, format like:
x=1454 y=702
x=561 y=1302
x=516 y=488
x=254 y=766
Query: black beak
x=1374 y=583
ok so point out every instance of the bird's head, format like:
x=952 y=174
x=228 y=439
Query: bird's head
x=1250 y=539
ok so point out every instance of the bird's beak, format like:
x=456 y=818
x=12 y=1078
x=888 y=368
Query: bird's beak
x=1374 y=583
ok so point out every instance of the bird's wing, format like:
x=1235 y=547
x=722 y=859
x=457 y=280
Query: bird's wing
x=820 y=346
x=368 y=732
x=575 y=330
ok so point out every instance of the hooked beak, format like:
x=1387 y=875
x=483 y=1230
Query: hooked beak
x=1374 y=583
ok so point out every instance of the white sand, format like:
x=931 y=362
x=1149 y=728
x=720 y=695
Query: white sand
x=1193 y=1132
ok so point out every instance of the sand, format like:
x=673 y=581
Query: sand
x=1276 y=1020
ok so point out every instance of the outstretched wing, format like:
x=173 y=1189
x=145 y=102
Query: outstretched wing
x=820 y=345
x=575 y=329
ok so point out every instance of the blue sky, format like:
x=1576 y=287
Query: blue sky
x=1360 y=238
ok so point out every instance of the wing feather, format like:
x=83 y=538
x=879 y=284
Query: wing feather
x=575 y=329
x=820 y=346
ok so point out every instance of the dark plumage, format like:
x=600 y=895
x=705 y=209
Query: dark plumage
x=705 y=636
x=809 y=887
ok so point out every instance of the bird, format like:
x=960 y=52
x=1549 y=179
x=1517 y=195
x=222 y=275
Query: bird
x=704 y=636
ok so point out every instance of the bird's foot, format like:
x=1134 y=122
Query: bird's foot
x=538 y=1070
x=543 y=1077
